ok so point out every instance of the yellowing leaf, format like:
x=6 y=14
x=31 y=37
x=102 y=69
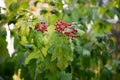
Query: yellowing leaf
x=62 y=63
x=23 y=40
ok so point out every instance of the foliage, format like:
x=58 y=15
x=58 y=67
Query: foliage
x=57 y=44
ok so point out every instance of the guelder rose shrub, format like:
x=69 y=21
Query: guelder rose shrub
x=59 y=51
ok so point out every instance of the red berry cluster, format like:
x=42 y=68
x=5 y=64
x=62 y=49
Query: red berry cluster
x=64 y=28
x=61 y=26
x=71 y=34
x=41 y=26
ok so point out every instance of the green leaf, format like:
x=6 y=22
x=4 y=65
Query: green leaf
x=14 y=7
x=86 y=52
x=51 y=49
x=3 y=17
x=53 y=19
x=62 y=63
x=88 y=45
x=65 y=76
x=9 y=2
x=106 y=74
x=28 y=71
x=24 y=5
x=67 y=52
x=105 y=57
x=59 y=4
x=56 y=12
x=57 y=52
x=43 y=11
x=33 y=55
x=50 y=65
x=93 y=2
x=38 y=39
x=52 y=76
x=31 y=35
x=24 y=28
x=63 y=54
x=51 y=30
x=86 y=58
x=3 y=49
x=78 y=49
x=80 y=26
x=23 y=40
x=112 y=44
x=54 y=38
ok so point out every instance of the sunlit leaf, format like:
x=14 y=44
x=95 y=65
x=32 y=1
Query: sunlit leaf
x=33 y=55
x=23 y=40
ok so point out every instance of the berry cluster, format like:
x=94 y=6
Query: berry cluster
x=71 y=34
x=41 y=26
x=64 y=28
x=61 y=26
